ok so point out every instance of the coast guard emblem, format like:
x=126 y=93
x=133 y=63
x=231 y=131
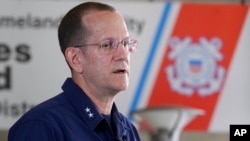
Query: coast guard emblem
x=195 y=66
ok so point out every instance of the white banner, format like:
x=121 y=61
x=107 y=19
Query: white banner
x=32 y=68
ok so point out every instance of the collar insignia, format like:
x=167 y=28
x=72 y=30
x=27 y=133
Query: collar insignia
x=88 y=112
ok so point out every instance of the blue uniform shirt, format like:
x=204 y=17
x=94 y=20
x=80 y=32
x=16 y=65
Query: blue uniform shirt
x=71 y=116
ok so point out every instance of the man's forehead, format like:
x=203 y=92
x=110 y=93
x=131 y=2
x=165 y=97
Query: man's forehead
x=97 y=19
x=105 y=24
x=97 y=14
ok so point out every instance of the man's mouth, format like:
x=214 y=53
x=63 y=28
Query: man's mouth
x=120 y=71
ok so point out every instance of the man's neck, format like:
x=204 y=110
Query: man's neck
x=101 y=99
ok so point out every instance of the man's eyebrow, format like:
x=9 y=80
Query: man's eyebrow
x=111 y=38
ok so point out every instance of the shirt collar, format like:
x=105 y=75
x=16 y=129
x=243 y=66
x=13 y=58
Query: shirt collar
x=87 y=109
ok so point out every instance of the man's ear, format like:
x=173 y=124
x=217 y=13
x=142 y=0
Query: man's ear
x=74 y=58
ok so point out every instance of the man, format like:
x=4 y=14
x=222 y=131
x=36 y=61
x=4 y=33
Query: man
x=96 y=44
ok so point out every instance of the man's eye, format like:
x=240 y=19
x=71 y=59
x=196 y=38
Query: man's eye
x=107 y=44
x=126 y=43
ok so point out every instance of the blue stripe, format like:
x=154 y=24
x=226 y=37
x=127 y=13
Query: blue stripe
x=150 y=58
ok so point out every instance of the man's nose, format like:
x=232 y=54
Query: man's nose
x=122 y=51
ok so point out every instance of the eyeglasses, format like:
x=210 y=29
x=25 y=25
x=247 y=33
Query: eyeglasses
x=111 y=46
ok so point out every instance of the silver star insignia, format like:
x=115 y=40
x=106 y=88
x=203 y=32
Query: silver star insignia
x=91 y=115
x=87 y=110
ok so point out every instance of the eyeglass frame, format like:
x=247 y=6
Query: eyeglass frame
x=114 y=44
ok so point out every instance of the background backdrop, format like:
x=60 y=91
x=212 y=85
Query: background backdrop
x=190 y=54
